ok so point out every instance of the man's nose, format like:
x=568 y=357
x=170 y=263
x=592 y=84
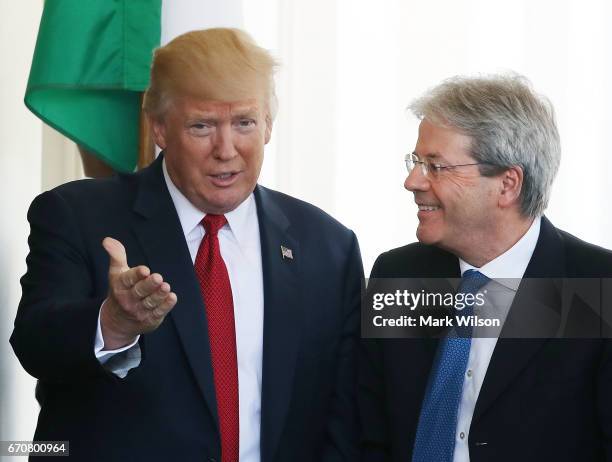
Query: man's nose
x=224 y=143
x=416 y=181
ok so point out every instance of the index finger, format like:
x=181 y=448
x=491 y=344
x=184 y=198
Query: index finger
x=128 y=278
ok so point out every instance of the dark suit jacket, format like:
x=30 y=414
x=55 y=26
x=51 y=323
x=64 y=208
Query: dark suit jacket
x=165 y=409
x=541 y=399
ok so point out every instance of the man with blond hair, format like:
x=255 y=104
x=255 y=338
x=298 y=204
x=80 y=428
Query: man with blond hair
x=185 y=312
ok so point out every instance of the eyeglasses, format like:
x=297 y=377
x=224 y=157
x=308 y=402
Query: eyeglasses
x=432 y=169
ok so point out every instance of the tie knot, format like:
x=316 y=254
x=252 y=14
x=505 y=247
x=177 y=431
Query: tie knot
x=213 y=223
x=472 y=281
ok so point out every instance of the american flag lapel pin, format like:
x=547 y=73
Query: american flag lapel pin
x=286 y=252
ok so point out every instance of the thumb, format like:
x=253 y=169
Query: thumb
x=118 y=257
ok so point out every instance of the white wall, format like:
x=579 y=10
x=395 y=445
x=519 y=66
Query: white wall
x=20 y=180
x=350 y=68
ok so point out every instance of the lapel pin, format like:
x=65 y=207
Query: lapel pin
x=286 y=252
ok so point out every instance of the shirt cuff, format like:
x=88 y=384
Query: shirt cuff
x=104 y=355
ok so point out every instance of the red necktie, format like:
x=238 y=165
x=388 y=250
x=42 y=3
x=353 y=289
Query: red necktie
x=217 y=293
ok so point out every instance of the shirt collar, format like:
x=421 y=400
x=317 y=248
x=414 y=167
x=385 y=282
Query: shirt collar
x=509 y=268
x=190 y=216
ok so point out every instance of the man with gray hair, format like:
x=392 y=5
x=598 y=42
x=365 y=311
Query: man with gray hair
x=481 y=174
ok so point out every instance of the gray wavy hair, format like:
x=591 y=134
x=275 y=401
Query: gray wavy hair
x=510 y=125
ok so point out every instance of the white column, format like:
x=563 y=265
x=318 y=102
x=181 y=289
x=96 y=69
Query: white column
x=306 y=126
x=20 y=167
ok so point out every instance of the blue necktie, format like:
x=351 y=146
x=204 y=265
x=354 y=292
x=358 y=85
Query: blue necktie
x=435 y=438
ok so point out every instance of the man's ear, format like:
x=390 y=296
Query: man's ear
x=159 y=131
x=511 y=186
x=268 y=133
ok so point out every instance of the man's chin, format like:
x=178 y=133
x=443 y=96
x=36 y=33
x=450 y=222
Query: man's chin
x=228 y=201
x=221 y=208
x=426 y=236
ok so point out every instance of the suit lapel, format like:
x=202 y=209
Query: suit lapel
x=510 y=355
x=158 y=229
x=282 y=315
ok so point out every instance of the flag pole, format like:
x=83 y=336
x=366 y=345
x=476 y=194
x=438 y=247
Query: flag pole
x=94 y=167
x=146 y=146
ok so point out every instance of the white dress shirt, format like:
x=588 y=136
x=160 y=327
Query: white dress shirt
x=507 y=270
x=241 y=251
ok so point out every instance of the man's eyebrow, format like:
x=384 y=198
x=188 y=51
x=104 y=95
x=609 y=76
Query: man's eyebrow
x=201 y=116
x=430 y=155
x=250 y=111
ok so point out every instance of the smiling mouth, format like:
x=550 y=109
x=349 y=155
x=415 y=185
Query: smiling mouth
x=428 y=208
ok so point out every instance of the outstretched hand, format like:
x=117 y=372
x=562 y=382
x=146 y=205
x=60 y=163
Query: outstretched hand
x=137 y=301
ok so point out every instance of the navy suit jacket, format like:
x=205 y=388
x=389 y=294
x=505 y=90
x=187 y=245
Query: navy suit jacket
x=541 y=399
x=165 y=409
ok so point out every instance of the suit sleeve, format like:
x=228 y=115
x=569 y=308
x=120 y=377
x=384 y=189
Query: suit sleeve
x=371 y=396
x=56 y=321
x=343 y=426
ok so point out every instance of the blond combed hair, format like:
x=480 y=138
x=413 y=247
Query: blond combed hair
x=220 y=64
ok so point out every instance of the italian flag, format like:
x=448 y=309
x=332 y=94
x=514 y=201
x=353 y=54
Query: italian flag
x=92 y=61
